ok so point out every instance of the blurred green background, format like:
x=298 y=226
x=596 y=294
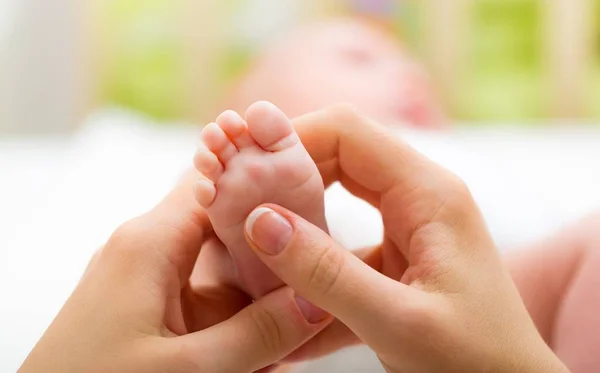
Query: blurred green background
x=506 y=75
x=146 y=56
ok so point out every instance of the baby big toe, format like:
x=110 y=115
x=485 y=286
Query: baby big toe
x=270 y=127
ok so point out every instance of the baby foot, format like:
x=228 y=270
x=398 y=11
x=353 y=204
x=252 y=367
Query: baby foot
x=246 y=163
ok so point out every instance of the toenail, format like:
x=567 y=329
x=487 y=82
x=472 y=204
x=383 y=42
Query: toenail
x=269 y=231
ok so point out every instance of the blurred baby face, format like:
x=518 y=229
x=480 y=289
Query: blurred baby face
x=346 y=61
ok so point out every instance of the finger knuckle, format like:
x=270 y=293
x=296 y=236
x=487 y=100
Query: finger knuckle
x=459 y=189
x=129 y=239
x=342 y=110
x=127 y=231
x=268 y=330
x=455 y=195
x=327 y=270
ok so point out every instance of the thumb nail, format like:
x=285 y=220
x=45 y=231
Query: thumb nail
x=268 y=230
x=312 y=313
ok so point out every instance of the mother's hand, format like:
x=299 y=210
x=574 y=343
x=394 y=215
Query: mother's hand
x=440 y=299
x=146 y=304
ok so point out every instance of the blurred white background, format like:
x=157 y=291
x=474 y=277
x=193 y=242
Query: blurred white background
x=42 y=66
x=7 y=9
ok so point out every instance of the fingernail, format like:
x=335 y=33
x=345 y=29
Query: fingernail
x=312 y=313
x=269 y=231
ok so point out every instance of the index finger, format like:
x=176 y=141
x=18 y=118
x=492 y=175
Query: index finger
x=360 y=153
x=373 y=164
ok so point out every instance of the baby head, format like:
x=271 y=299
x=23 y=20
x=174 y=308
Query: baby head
x=341 y=60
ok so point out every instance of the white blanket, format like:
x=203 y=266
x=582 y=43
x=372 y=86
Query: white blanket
x=61 y=197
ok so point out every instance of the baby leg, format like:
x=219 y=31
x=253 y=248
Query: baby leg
x=559 y=281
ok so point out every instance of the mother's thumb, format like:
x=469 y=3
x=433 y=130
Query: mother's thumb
x=322 y=271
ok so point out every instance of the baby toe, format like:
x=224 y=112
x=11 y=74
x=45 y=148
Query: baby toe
x=235 y=128
x=207 y=163
x=217 y=142
x=204 y=192
x=270 y=127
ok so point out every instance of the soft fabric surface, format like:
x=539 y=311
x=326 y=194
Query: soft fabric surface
x=61 y=197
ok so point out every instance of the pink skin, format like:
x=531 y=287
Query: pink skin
x=558 y=279
x=246 y=163
x=342 y=61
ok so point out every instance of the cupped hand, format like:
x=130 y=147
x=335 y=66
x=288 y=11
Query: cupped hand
x=435 y=297
x=149 y=303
